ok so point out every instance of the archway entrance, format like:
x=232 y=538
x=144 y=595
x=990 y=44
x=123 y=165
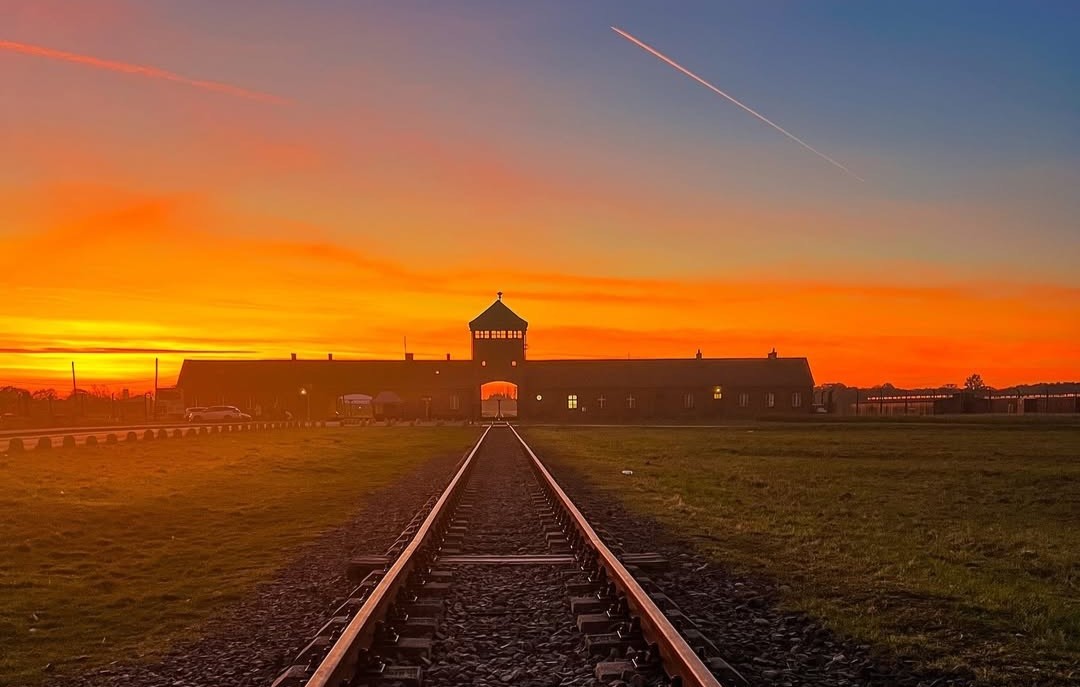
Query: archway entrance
x=498 y=400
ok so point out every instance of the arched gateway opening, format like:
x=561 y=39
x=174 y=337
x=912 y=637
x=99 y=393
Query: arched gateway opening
x=498 y=400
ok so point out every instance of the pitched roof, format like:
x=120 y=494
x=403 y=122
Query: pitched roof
x=328 y=376
x=669 y=372
x=498 y=317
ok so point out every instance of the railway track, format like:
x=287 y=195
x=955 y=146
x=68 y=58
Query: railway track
x=19 y=440
x=501 y=580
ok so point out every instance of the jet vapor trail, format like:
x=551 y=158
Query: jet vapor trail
x=714 y=89
x=151 y=72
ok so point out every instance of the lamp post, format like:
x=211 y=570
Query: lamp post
x=307 y=397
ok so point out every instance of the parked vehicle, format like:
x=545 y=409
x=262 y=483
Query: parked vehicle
x=217 y=414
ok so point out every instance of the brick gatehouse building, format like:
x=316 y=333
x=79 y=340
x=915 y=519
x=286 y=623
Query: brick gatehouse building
x=696 y=390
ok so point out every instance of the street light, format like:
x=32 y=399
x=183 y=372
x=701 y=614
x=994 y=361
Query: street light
x=307 y=397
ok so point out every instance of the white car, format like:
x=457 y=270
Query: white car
x=217 y=414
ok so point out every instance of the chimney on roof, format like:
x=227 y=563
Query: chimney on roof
x=329 y=356
x=294 y=356
x=698 y=356
x=408 y=356
x=448 y=356
x=772 y=354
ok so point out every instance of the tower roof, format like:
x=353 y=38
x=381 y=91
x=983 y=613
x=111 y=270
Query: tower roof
x=498 y=317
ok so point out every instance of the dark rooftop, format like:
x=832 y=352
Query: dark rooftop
x=498 y=317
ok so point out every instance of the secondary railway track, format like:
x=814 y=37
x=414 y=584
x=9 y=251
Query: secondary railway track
x=22 y=439
x=504 y=581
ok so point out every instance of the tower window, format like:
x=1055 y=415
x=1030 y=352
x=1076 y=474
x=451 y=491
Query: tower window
x=513 y=363
x=770 y=399
x=455 y=402
x=796 y=400
x=717 y=392
x=631 y=402
x=571 y=401
x=601 y=402
x=688 y=401
x=744 y=399
x=483 y=363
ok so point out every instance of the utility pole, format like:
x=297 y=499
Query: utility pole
x=73 y=387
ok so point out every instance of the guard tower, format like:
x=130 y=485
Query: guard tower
x=498 y=342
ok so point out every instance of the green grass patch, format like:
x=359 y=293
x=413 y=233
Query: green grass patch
x=115 y=551
x=955 y=544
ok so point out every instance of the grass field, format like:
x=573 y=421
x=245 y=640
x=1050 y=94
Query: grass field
x=955 y=544
x=115 y=550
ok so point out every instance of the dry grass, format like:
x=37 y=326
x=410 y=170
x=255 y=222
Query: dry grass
x=118 y=550
x=955 y=544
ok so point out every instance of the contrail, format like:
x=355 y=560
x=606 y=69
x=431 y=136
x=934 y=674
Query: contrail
x=714 y=89
x=151 y=72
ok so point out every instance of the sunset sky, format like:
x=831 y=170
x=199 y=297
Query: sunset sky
x=254 y=178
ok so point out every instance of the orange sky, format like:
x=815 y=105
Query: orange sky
x=144 y=216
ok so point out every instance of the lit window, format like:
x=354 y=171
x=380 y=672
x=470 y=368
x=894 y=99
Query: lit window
x=631 y=402
x=539 y=397
x=744 y=399
x=513 y=363
x=717 y=393
x=688 y=401
x=770 y=399
x=796 y=400
x=483 y=363
x=455 y=402
x=601 y=402
x=571 y=401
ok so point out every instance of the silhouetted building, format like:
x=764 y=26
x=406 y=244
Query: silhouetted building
x=694 y=389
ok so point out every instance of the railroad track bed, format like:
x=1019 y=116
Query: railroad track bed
x=505 y=583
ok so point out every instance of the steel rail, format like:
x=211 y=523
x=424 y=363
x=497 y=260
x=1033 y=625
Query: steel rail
x=678 y=657
x=37 y=432
x=340 y=662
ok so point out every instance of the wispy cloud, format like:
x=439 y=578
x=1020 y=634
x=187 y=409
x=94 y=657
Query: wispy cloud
x=120 y=351
x=139 y=70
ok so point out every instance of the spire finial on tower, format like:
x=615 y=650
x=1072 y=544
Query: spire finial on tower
x=499 y=294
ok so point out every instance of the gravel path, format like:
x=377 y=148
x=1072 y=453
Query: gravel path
x=249 y=643
x=766 y=644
